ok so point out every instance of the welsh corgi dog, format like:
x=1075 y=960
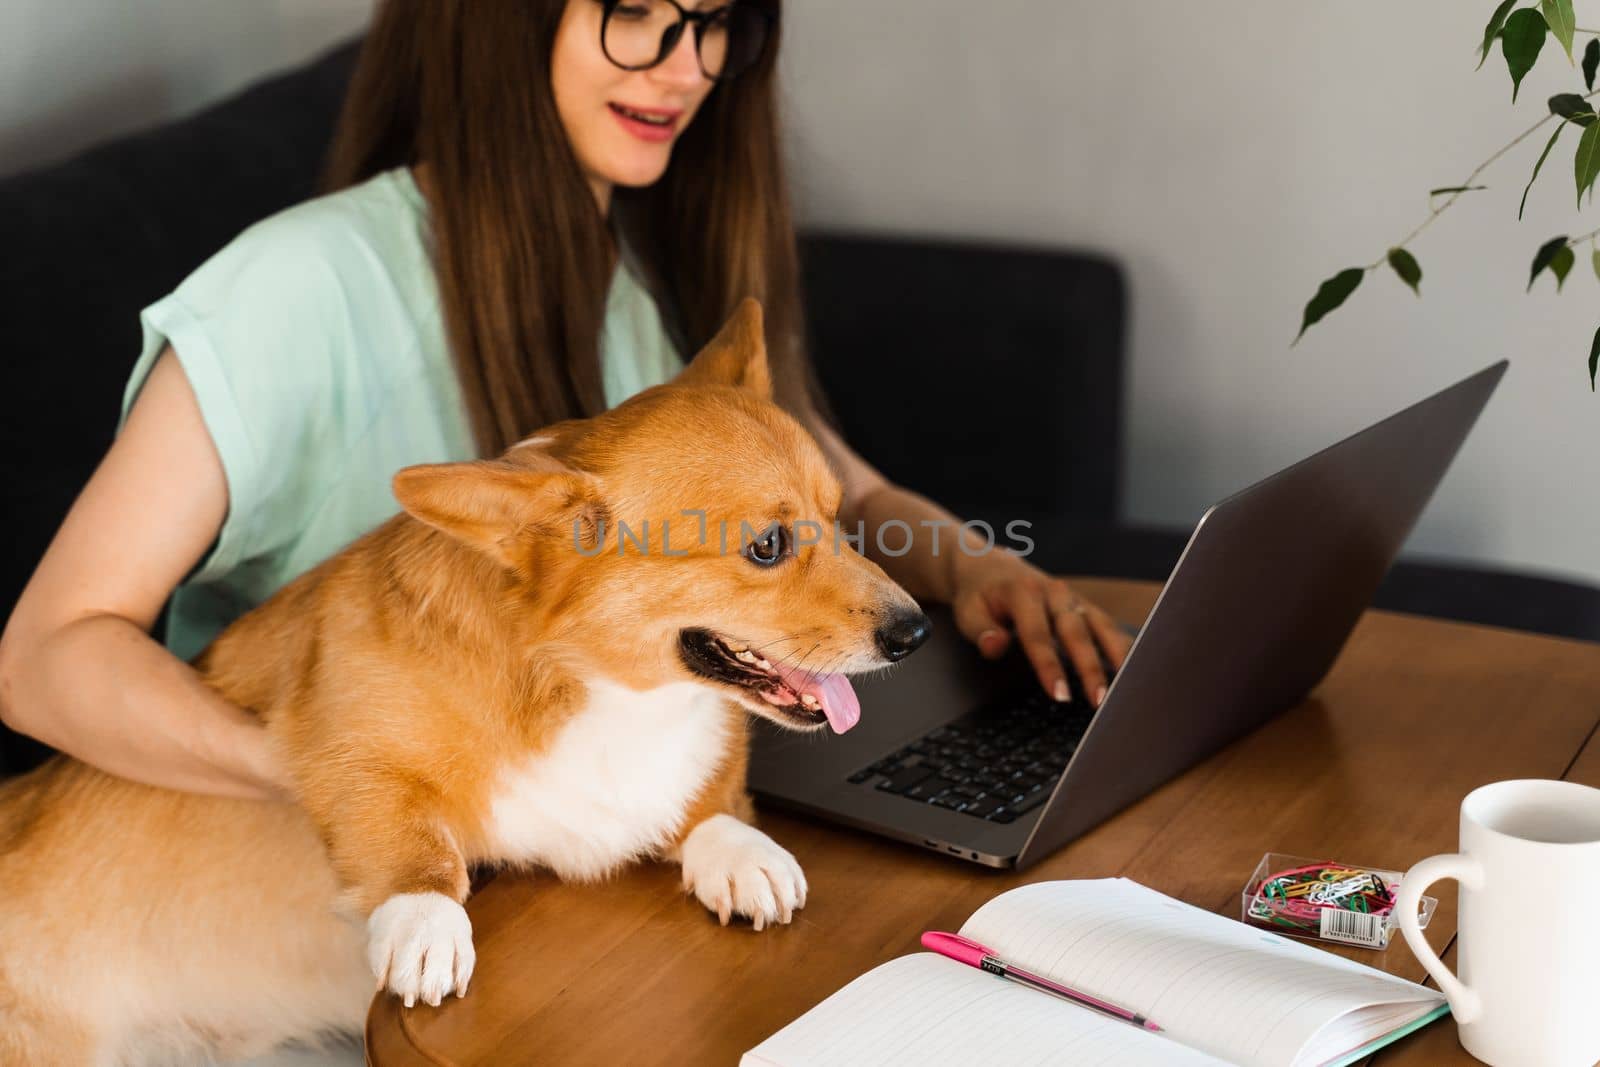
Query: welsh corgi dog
x=545 y=659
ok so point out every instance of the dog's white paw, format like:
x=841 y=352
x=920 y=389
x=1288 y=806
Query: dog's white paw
x=734 y=869
x=419 y=945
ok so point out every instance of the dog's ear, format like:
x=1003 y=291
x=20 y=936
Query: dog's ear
x=737 y=356
x=496 y=506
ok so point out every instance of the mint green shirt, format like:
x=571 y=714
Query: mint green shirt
x=315 y=345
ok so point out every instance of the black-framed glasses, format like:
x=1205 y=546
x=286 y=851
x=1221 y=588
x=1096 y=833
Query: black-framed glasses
x=729 y=38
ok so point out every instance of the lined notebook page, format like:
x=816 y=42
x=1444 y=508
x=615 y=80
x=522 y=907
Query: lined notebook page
x=1234 y=991
x=928 y=1011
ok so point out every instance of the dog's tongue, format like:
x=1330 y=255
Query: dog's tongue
x=833 y=692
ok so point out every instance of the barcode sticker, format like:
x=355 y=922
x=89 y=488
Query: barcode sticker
x=1352 y=927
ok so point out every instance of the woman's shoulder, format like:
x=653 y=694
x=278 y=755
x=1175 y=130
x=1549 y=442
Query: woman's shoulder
x=382 y=212
x=293 y=338
x=320 y=250
x=301 y=309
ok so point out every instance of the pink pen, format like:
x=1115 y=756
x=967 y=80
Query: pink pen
x=975 y=955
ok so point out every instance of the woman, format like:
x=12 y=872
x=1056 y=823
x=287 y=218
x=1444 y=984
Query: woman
x=533 y=210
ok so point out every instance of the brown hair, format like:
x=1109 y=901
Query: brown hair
x=521 y=250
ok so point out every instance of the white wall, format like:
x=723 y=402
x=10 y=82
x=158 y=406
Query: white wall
x=75 y=72
x=1231 y=153
x=1234 y=153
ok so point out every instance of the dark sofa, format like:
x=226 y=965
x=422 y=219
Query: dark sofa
x=988 y=378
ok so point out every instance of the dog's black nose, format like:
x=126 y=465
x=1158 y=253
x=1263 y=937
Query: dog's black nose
x=902 y=634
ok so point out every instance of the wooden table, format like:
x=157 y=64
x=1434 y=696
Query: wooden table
x=1370 y=769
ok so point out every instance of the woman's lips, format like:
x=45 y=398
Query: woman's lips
x=645 y=131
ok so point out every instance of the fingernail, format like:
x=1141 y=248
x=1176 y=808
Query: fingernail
x=988 y=635
x=1100 y=695
x=1063 y=694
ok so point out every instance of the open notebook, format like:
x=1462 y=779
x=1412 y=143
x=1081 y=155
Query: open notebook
x=1222 y=992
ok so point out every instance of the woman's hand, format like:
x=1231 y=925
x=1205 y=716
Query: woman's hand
x=987 y=588
x=999 y=588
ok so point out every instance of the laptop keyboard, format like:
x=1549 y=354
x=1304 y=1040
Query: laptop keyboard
x=996 y=763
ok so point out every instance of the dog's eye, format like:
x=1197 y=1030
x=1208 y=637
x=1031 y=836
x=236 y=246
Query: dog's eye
x=767 y=549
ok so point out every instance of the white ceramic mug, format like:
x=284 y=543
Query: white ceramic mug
x=1528 y=940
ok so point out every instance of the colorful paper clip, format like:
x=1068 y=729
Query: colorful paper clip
x=1296 y=898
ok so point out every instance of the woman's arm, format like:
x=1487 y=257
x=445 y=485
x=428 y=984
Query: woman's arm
x=78 y=668
x=986 y=589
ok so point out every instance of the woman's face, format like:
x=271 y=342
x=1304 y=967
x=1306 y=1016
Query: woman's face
x=593 y=97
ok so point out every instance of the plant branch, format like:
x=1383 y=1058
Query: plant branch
x=1591 y=235
x=1434 y=213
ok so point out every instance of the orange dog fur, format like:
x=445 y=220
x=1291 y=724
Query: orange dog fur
x=483 y=679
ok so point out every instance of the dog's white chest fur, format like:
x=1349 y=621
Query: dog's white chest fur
x=614 y=783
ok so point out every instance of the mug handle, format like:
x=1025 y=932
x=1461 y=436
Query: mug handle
x=1465 y=1004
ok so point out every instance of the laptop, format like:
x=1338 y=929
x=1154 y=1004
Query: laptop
x=970 y=758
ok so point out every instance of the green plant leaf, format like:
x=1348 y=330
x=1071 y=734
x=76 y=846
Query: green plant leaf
x=1586 y=163
x=1594 y=358
x=1491 y=31
x=1405 y=265
x=1597 y=263
x=1591 y=61
x=1561 y=265
x=1573 y=108
x=1520 y=42
x=1542 y=258
x=1548 y=145
x=1330 y=294
x=1559 y=17
x=1455 y=189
